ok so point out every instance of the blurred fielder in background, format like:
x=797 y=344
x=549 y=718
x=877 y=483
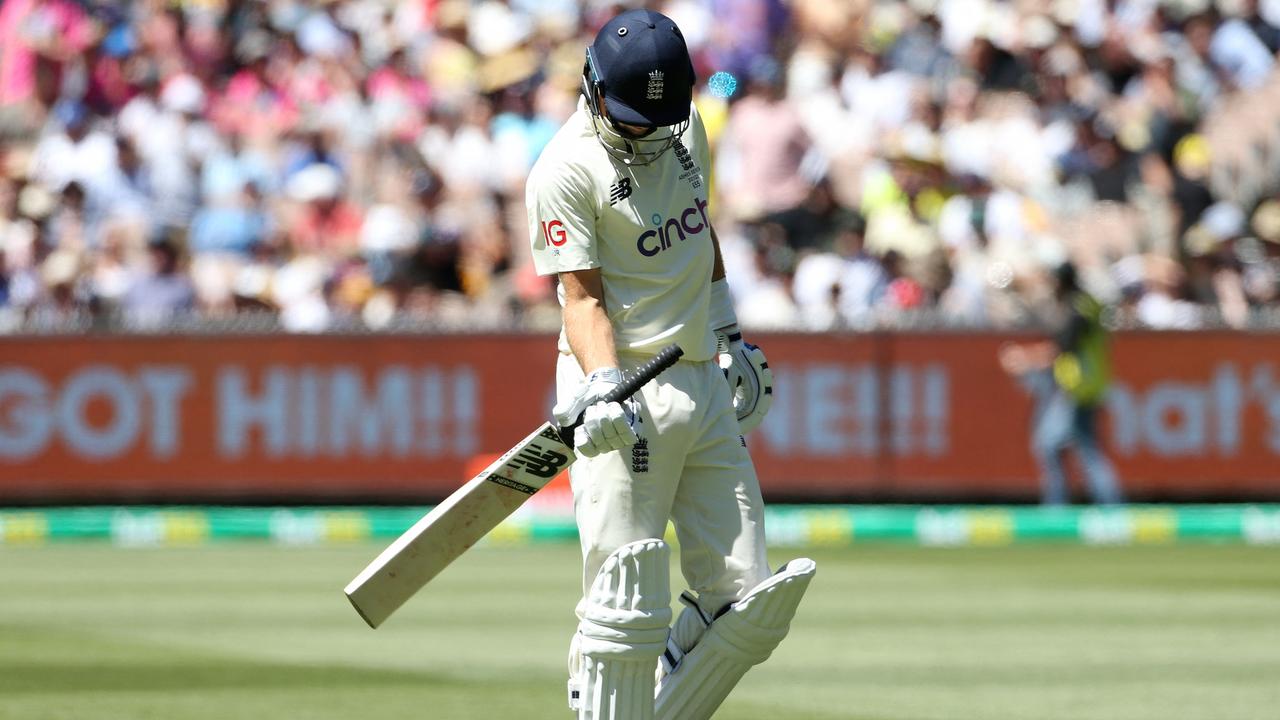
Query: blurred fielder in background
x=617 y=208
x=1068 y=377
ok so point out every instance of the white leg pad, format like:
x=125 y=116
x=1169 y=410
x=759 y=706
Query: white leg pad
x=624 y=628
x=737 y=640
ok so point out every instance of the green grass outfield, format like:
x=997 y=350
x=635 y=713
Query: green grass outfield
x=888 y=632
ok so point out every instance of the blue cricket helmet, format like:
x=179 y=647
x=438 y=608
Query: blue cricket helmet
x=640 y=65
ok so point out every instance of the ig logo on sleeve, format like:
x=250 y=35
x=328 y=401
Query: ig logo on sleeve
x=553 y=232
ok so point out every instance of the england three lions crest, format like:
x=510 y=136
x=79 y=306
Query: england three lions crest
x=655 y=86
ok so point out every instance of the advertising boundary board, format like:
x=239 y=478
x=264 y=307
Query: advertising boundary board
x=789 y=526
x=381 y=418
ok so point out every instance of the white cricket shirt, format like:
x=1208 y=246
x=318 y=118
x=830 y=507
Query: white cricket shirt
x=645 y=226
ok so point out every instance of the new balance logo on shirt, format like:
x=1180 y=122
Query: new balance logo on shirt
x=620 y=190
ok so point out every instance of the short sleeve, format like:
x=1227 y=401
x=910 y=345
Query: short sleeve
x=562 y=219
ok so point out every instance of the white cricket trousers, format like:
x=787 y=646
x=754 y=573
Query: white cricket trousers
x=690 y=466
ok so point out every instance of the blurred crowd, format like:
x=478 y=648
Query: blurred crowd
x=360 y=164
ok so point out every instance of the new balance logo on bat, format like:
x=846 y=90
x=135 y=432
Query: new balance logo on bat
x=538 y=462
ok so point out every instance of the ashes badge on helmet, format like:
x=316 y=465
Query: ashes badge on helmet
x=639 y=66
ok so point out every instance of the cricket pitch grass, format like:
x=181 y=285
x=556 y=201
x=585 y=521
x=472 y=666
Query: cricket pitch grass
x=1048 y=632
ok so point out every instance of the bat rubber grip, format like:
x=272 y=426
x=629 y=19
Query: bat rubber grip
x=633 y=382
x=643 y=374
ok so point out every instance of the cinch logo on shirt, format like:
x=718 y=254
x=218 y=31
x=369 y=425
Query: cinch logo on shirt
x=652 y=242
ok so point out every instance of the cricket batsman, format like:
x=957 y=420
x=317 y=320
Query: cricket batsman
x=617 y=209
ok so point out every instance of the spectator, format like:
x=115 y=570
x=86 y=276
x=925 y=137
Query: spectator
x=61 y=305
x=763 y=146
x=114 y=265
x=128 y=191
x=69 y=225
x=863 y=278
x=371 y=155
x=75 y=152
x=817 y=221
x=161 y=293
x=38 y=40
x=230 y=224
x=839 y=288
x=324 y=222
x=770 y=304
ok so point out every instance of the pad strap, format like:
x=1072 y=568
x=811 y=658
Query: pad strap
x=687 y=630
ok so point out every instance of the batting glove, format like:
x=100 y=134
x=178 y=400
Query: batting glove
x=606 y=426
x=750 y=379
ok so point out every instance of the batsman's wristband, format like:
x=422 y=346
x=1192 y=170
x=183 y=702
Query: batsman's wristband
x=720 y=313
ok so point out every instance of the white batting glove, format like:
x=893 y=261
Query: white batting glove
x=750 y=379
x=606 y=426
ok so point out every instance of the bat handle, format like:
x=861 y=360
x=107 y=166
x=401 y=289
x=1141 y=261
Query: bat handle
x=632 y=383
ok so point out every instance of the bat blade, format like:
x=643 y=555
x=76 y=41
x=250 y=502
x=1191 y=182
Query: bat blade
x=458 y=523
x=476 y=508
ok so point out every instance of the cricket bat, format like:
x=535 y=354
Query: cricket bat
x=474 y=509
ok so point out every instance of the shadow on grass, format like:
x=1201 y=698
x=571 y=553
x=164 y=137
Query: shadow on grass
x=155 y=676
x=43 y=659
